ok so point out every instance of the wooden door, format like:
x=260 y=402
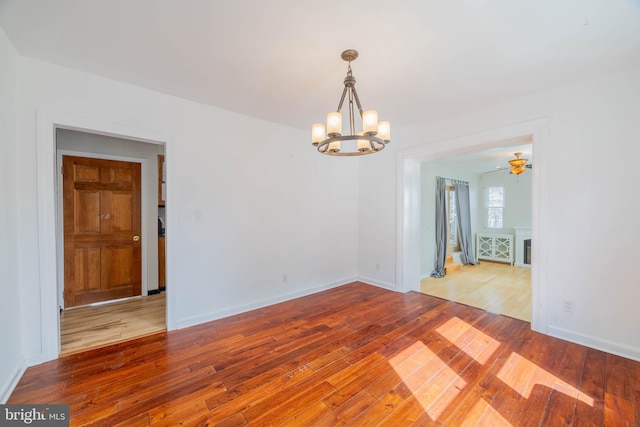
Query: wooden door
x=102 y=224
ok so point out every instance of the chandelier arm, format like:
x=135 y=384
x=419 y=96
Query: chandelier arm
x=352 y=122
x=344 y=92
x=355 y=95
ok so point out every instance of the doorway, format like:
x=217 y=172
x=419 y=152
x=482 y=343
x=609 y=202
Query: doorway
x=48 y=123
x=498 y=287
x=408 y=189
x=107 y=240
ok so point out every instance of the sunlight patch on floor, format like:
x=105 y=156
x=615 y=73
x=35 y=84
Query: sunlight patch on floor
x=473 y=342
x=483 y=414
x=523 y=375
x=433 y=384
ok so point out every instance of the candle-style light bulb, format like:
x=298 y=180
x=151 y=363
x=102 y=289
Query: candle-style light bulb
x=317 y=133
x=334 y=123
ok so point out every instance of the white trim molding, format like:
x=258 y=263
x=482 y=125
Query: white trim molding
x=7 y=388
x=595 y=342
x=197 y=320
x=408 y=203
x=378 y=283
x=47 y=123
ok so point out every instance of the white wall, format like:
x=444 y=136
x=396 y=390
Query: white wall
x=589 y=210
x=11 y=361
x=101 y=144
x=429 y=172
x=272 y=206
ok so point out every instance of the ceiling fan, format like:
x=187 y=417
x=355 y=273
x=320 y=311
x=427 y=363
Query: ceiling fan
x=516 y=166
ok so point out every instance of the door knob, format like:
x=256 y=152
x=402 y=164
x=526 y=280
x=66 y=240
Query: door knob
x=136 y=238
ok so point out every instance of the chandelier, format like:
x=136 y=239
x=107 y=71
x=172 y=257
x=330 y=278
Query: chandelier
x=374 y=134
x=517 y=164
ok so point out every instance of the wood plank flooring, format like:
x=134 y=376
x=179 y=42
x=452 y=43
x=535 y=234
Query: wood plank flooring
x=353 y=355
x=83 y=328
x=496 y=287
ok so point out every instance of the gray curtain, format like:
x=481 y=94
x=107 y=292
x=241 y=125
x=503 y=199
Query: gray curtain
x=441 y=227
x=464 y=222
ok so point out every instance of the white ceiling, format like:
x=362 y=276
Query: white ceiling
x=420 y=61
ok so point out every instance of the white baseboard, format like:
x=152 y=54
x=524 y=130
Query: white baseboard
x=12 y=381
x=196 y=320
x=34 y=359
x=380 y=284
x=595 y=342
x=522 y=265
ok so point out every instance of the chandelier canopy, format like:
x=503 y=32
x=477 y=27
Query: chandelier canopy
x=373 y=136
x=517 y=164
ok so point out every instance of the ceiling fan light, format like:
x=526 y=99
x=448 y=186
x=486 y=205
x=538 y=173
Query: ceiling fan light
x=517 y=164
x=517 y=170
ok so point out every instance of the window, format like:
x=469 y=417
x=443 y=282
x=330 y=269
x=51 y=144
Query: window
x=453 y=218
x=494 y=205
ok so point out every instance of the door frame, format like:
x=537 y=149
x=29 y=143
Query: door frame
x=48 y=234
x=408 y=204
x=60 y=220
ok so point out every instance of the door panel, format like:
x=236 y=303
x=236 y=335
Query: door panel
x=87 y=269
x=121 y=176
x=101 y=210
x=87 y=212
x=86 y=173
x=121 y=207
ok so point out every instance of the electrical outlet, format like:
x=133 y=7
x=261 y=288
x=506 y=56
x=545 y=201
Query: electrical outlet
x=567 y=305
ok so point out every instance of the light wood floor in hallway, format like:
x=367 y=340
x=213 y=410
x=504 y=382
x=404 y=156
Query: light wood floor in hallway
x=90 y=327
x=496 y=287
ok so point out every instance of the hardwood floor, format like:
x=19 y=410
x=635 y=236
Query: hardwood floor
x=357 y=355
x=496 y=287
x=89 y=327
